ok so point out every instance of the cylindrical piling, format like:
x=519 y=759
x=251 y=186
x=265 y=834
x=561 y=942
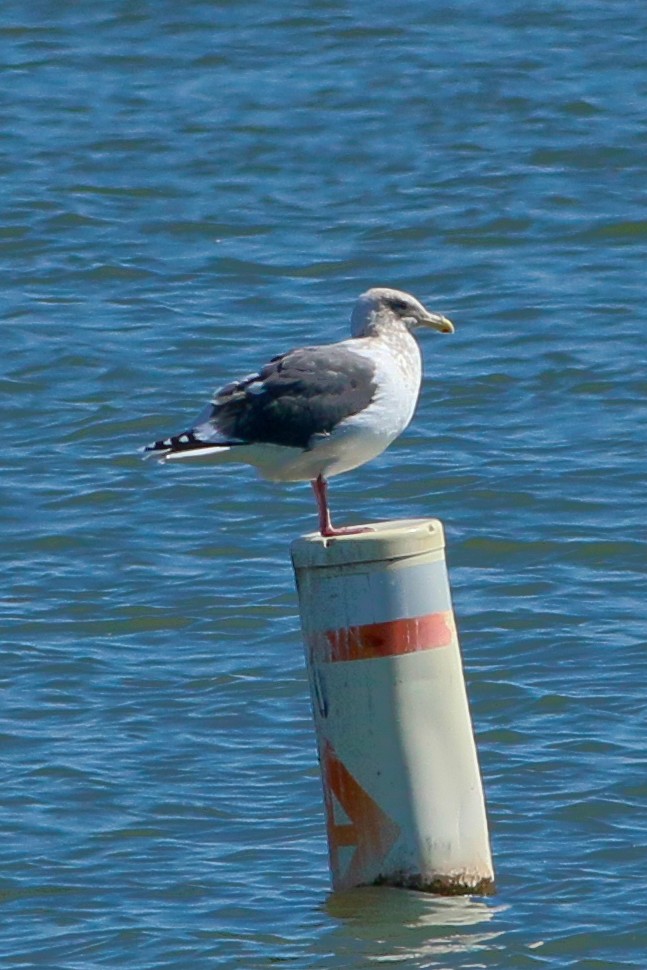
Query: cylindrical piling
x=402 y=789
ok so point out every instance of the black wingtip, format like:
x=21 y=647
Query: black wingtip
x=186 y=441
x=157 y=449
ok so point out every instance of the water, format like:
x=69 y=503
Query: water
x=188 y=188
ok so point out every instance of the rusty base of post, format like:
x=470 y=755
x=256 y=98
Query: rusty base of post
x=439 y=885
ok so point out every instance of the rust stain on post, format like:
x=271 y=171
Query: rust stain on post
x=440 y=885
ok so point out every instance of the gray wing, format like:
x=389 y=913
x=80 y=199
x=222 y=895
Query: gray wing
x=302 y=393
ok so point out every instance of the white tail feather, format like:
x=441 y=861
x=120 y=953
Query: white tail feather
x=195 y=453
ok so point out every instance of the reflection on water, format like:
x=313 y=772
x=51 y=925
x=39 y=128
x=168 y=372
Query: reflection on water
x=385 y=925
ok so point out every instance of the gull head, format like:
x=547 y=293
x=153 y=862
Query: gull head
x=381 y=308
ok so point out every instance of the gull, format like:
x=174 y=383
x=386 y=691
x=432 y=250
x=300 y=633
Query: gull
x=315 y=412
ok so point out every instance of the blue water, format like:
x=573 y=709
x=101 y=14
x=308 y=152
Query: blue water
x=187 y=189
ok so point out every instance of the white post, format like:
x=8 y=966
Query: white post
x=402 y=789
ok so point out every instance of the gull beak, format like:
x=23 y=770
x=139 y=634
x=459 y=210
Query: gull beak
x=437 y=322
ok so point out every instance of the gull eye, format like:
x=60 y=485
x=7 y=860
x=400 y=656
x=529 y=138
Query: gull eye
x=400 y=306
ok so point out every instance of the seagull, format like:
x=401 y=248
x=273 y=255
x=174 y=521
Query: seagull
x=316 y=412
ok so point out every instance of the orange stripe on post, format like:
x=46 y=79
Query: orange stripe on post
x=390 y=639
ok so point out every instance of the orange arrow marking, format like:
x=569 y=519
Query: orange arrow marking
x=370 y=829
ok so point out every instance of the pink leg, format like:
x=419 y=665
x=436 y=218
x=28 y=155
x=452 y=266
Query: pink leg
x=326 y=528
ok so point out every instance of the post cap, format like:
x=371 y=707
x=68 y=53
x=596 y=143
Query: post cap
x=394 y=539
